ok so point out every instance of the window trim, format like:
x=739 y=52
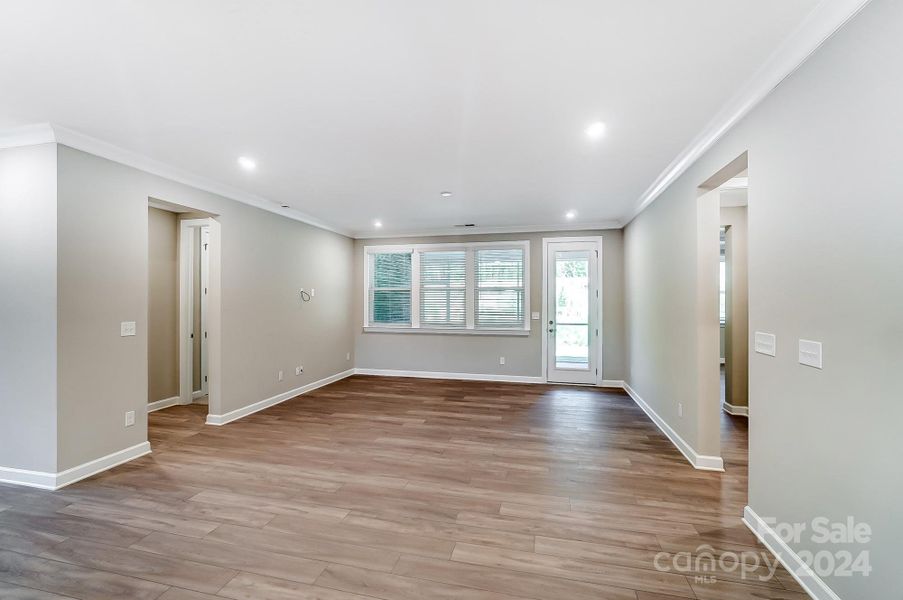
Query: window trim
x=470 y=288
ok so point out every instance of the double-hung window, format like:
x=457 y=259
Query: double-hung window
x=389 y=297
x=480 y=287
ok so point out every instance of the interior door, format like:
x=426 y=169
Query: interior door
x=572 y=309
x=205 y=283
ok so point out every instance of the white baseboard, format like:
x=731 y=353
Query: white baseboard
x=161 y=404
x=458 y=376
x=737 y=411
x=103 y=463
x=263 y=404
x=612 y=383
x=699 y=461
x=54 y=481
x=198 y=394
x=808 y=580
x=36 y=479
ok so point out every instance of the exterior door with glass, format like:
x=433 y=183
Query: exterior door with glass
x=572 y=309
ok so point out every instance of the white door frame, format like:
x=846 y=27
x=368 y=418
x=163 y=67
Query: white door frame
x=598 y=346
x=189 y=230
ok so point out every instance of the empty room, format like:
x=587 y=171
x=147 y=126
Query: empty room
x=415 y=300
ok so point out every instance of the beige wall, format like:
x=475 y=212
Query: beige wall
x=824 y=264
x=103 y=258
x=28 y=309
x=736 y=330
x=480 y=354
x=163 y=305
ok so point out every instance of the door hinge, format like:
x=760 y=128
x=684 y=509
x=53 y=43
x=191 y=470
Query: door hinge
x=205 y=377
x=205 y=335
x=191 y=335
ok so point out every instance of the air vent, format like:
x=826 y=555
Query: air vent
x=466 y=225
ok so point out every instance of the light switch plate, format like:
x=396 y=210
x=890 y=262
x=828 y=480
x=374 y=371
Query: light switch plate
x=766 y=343
x=810 y=353
x=130 y=418
x=534 y=316
x=127 y=328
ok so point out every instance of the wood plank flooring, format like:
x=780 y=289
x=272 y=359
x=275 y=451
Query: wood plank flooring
x=397 y=489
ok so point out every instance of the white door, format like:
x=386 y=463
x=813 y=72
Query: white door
x=205 y=282
x=572 y=309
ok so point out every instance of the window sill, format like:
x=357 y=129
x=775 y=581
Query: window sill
x=441 y=331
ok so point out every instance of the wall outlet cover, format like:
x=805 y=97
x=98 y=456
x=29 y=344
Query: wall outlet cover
x=127 y=328
x=130 y=418
x=766 y=343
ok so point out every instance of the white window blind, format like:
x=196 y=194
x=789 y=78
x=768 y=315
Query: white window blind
x=443 y=283
x=390 y=288
x=499 y=298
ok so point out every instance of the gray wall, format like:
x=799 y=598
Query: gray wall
x=163 y=305
x=28 y=308
x=736 y=330
x=103 y=257
x=480 y=354
x=825 y=249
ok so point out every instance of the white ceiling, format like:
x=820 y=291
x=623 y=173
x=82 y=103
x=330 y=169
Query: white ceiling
x=358 y=110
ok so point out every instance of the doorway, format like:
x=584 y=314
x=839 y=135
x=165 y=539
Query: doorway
x=572 y=310
x=195 y=290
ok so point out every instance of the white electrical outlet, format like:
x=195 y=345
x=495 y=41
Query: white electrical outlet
x=501 y=360
x=130 y=418
x=680 y=409
x=313 y=292
x=127 y=328
x=279 y=376
x=534 y=316
x=299 y=370
x=347 y=356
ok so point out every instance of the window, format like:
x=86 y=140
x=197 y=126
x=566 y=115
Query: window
x=500 y=287
x=466 y=288
x=390 y=289
x=442 y=289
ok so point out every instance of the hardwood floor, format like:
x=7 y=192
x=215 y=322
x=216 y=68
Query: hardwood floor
x=399 y=489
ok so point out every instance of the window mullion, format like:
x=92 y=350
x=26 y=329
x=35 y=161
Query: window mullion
x=415 y=289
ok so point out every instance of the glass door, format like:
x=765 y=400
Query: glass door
x=572 y=312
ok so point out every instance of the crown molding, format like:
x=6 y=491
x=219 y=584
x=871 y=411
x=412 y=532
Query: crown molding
x=51 y=133
x=27 y=135
x=447 y=231
x=819 y=25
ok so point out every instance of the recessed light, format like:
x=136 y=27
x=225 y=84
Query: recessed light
x=445 y=194
x=570 y=214
x=595 y=130
x=377 y=223
x=247 y=163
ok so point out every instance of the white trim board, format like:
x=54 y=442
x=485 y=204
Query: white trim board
x=55 y=481
x=824 y=20
x=274 y=400
x=737 y=411
x=451 y=376
x=161 y=404
x=699 y=461
x=804 y=575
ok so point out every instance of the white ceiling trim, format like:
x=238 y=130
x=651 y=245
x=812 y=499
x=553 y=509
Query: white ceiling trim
x=49 y=133
x=824 y=20
x=28 y=135
x=573 y=226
